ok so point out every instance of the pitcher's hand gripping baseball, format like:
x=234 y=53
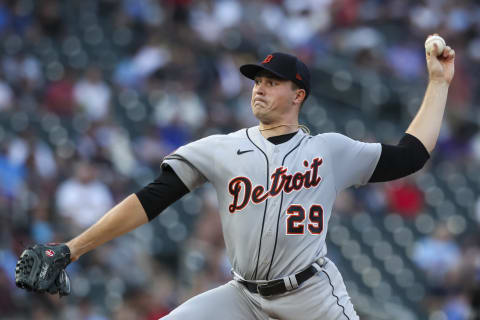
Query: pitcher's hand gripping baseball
x=440 y=66
x=41 y=268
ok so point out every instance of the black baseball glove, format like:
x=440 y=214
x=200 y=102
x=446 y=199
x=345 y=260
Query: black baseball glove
x=41 y=268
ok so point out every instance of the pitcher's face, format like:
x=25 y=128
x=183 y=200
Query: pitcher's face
x=271 y=98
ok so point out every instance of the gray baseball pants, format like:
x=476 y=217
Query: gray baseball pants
x=322 y=297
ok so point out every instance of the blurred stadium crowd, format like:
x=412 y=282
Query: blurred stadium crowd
x=94 y=93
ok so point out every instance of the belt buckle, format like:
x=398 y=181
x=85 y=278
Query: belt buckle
x=260 y=288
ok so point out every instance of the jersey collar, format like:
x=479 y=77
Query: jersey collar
x=256 y=136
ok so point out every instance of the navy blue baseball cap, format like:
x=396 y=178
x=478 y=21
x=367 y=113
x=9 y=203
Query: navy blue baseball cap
x=284 y=66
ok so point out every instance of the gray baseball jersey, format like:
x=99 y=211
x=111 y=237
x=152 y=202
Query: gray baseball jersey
x=275 y=201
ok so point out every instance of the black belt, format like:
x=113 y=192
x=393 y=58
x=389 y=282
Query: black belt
x=278 y=286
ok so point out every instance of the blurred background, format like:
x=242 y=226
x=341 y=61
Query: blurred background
x=94 y=93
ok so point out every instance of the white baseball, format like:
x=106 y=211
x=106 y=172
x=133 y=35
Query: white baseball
x=431 y=41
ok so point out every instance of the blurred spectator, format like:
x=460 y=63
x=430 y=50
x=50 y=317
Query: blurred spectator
x=437 y=254
x=407 y=60
x=150 y=147
x=12 y=175
x=23 y=70
x=84 y=311
x=6 y=96
x=455 y=144
x=8 y=260
x=28 y=150
x=229 y=76
x=59 y=96
x=373 y=198
x=6 y=303
x=42 y=230
x=404 y=197
x=92 y=94
x=152 y=56
x=160 y=293
x=5 y=16
x=179 y=114
x=458 y=308
x=83 y=199
x=50 y=19
x=205 y=265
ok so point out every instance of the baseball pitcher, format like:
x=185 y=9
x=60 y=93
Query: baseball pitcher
x=276 y=186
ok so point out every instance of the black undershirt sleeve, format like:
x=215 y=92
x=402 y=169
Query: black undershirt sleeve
x=409 y=156
x=162 y=192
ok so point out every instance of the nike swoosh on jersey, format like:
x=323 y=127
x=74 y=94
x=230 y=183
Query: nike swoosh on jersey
x=242 y=152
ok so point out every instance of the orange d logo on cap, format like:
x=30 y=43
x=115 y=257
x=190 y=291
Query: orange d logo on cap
x=268 y=59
